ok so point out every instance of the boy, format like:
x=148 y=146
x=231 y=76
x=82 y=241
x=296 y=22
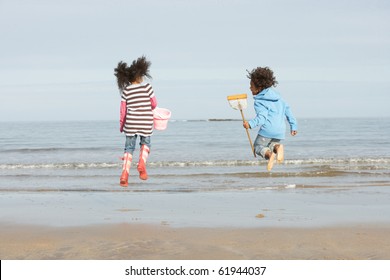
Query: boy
x=271 y=112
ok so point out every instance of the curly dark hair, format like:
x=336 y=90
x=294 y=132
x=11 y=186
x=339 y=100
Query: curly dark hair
x=262 y=77
x=126 y=75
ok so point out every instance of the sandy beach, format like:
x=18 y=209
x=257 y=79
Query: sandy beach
x=151 y=242
x=337 y=225
x=61 y=199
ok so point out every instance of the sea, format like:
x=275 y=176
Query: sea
x=203 y=163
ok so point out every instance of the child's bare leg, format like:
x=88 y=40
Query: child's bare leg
x=279 y=151
x=270 y=156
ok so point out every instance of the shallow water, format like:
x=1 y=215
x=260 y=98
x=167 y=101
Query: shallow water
x=193 y=156
x=201 y=173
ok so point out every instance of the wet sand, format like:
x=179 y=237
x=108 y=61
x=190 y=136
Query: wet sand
x=159 y=242
x=276 y=225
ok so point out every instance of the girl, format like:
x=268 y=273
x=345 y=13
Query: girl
x=271 y=113
x=136 y=115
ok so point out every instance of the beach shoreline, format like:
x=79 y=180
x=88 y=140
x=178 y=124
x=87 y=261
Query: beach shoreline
x=159 y=242
x=295 y=208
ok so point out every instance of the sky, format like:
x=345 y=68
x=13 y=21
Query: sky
x=57 y=58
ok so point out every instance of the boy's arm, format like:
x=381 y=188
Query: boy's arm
x=261 y=117
x=291 y=120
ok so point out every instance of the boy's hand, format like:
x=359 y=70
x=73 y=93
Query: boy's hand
x=294 y=132
x=246 y=125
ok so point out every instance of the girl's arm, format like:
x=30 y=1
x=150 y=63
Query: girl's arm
x=122 y=117
x=153 y=100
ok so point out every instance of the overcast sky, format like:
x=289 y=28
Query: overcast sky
x=331 y=58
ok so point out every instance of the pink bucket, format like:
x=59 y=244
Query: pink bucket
x=160 y=118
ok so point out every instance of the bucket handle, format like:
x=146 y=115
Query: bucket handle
x=158 y=114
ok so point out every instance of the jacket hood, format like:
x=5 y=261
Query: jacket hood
x=267 y=94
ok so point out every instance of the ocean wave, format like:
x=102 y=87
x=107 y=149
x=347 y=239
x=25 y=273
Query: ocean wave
x=59 y=166
x=162 y=189
x=54 y=149
x=368 y=163
x=321 y=161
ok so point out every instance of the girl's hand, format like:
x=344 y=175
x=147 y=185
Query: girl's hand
x=246 y=125
x=294 y=132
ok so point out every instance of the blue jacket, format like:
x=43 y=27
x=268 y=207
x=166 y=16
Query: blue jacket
x=271 y=114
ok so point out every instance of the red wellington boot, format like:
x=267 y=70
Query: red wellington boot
x=143 y=156
x=124 y=180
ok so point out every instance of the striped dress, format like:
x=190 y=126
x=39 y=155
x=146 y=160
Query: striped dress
x=139 y=116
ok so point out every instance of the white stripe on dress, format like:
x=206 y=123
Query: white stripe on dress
x=139 y=117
